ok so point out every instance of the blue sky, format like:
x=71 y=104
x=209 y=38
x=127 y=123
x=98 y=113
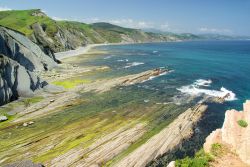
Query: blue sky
x=231 y=17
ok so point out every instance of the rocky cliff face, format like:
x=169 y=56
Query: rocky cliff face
x=22 y=50
x=16 y=81
x=235 y=133
x=20 y=59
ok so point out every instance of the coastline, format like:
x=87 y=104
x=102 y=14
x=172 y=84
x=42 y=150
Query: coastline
x=85 y=49
x=76 y=52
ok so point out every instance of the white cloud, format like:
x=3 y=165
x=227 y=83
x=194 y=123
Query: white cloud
x=58 y=18
x=214 y=30
x=129 y=23
x=4 y=8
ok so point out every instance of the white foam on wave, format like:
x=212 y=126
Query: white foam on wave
x=133 y=64
x=196 y=90
x=122 y=60
x=153 y=77
x=108 y=57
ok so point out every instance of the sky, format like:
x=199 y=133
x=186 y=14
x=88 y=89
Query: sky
x=229 y=17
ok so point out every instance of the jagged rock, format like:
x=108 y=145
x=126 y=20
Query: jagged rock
x=233 y=134
x=3 y=118
x=21 y=49
x=26 y=163
x=16 y=81
x=44 y=41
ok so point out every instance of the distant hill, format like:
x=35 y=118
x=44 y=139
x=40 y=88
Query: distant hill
x=55 y=36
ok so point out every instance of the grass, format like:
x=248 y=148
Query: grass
x=22 y=20
x=69 y=84
x=28 y=101
x=242 y=123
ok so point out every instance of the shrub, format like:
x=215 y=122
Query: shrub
x=242 y=123
x=201 y=159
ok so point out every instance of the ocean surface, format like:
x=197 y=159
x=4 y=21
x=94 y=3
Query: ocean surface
x=198 y=68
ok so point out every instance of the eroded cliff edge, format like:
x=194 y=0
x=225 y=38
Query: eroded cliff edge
x=235 y=134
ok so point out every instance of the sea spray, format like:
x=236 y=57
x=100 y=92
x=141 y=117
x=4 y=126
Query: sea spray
x=196 y=89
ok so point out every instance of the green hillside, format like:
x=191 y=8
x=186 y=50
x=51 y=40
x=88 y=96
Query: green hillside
x=65 y=35
x=22 y=20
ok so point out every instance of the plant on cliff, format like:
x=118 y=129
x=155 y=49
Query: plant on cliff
x=242 y=123
x=217 y=149
x=201 y=159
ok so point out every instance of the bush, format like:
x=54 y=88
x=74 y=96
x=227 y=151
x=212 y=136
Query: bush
x=201 y=159
x=242 y=123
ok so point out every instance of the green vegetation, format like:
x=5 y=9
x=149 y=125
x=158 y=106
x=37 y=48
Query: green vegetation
x=242 y=123
x=217 y=149
x=201 y=159
x=22 y=20
x=69 y=84
x=28 y=101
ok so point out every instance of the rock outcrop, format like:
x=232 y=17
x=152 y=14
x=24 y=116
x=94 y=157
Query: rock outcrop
x=167 y=140
x=16 y=81
x=22 y=50
x=234 y=133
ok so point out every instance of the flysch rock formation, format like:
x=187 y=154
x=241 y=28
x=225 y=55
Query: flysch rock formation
x=16 y=81
x=232 y=134
x=22 y=50
x=167 y=140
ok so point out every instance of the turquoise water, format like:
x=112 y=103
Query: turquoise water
x=199 y=67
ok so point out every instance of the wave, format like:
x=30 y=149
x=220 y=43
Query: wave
x=133 y=64
x=108 y=57
x=153 y=77
x=196 y=90
x=122 y=60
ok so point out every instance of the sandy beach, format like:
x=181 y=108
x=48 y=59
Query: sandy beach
x=76 y=52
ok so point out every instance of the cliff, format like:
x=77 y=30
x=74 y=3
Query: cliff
x=19 y=61
x=16 y=81
x=22 y=50
x=235 y=133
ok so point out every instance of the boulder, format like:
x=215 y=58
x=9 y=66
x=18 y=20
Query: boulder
x=3 y=118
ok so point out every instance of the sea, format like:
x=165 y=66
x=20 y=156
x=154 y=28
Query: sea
x=198 y=68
